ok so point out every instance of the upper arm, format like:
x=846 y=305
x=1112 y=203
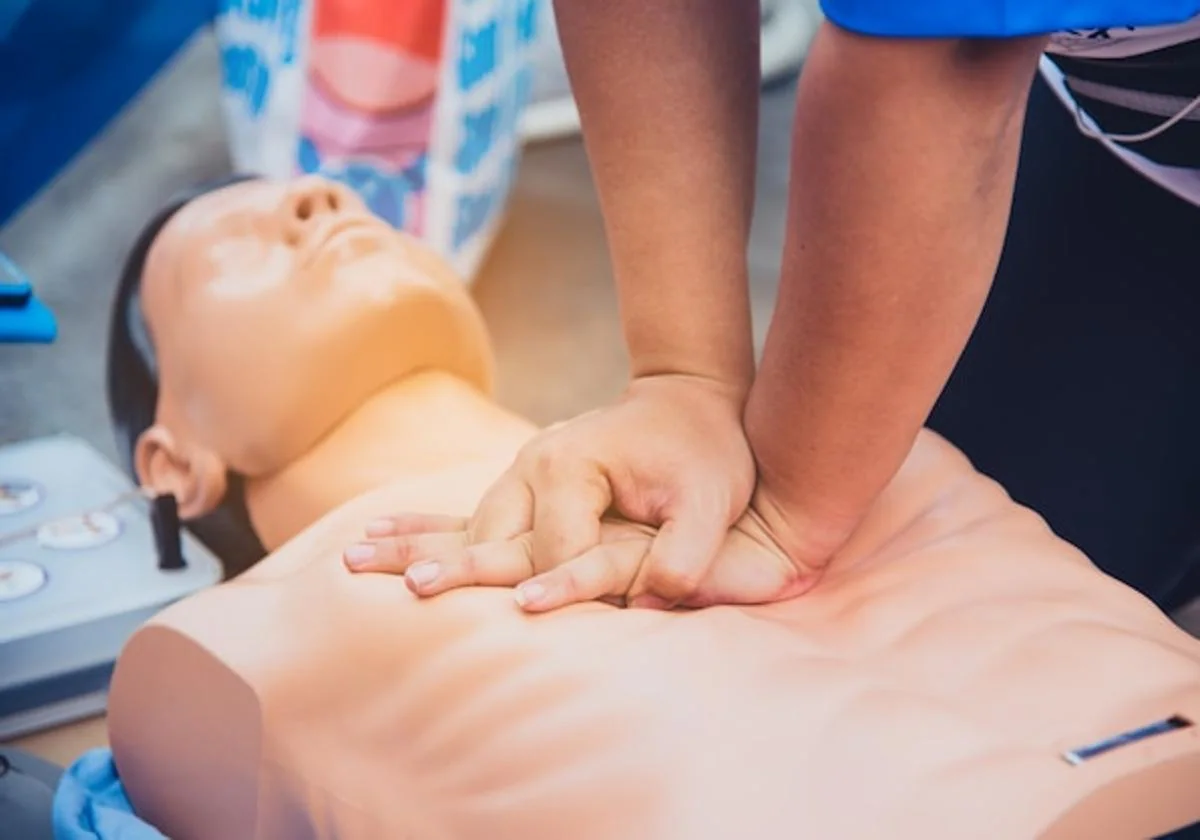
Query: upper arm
x=999 y=18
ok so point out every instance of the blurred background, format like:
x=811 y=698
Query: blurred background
x=79 y=183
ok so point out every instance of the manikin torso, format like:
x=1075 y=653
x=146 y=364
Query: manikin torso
x=927 y=688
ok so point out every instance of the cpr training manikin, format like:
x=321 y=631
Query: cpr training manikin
x=959 y=672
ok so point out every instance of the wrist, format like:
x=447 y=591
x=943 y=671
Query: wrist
x=724 y=356
x=816 y=479
x=730 y=373
x=733 y=390
x=809 y=540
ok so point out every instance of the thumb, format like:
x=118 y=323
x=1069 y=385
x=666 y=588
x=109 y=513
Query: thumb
x=679 y=558
x=745 y=571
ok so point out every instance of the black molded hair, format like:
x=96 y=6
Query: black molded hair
x=132 y=390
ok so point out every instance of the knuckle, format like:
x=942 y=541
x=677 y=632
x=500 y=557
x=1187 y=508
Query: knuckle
x=547 y=553
x=394 y=552
x=524 y=542
x=484 y=525
x=523 y=545
x=465 y=566
x=596 y=486
x=610 y=577
x=476 y=532
x=543 y=462
x=564 y=583
x=389 y=551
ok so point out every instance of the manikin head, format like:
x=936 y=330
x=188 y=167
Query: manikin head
x=271 y=312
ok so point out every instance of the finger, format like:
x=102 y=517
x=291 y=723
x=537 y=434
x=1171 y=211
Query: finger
x=746 y=573
x=604 y=573
x=393 y=555
x=679 y=558
x=504 y=563
x=504 y=513
x=413 y=523
x=566 y=517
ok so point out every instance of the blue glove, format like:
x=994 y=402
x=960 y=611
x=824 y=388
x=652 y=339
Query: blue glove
x=90 y=803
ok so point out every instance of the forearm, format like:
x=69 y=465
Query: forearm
x=668 y=96
x=903 y=167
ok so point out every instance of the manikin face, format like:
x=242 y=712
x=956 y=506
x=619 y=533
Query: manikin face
x=276 y=309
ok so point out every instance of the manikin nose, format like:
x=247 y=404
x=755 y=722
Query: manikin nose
x=312 y=203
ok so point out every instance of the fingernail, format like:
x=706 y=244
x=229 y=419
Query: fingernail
x=379 y=528
x=528 y=594
x=359 y=555
x=423 y=574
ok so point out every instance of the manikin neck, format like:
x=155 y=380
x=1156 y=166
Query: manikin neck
x=422 y=424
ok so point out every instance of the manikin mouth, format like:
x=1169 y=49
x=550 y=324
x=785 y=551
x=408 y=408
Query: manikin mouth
x=343 y=230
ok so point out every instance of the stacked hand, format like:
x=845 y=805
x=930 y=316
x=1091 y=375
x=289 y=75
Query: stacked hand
x=636 y=503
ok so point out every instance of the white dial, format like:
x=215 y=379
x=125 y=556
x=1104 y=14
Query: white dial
x=17 y=495
x=78 y=532
x=18 y=579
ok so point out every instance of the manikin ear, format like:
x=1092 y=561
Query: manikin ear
x=195 y=476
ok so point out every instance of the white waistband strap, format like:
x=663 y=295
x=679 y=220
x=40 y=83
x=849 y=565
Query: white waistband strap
x=1175 y=108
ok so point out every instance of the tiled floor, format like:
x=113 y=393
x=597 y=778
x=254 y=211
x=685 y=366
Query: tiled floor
x=546 y=290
